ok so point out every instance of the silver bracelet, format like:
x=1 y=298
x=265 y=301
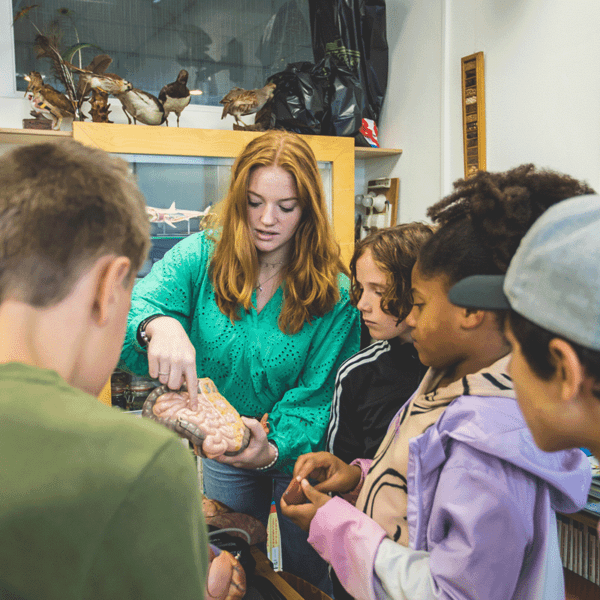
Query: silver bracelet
x=272 y=463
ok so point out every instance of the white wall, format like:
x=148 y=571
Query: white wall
x=412 y=113
x=542 y=63
x=542 y=84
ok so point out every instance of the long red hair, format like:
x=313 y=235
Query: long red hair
x=311 y=277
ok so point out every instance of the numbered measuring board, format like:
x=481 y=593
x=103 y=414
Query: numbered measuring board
x=274 y=539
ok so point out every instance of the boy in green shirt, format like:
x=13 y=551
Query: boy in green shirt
x=93 y=504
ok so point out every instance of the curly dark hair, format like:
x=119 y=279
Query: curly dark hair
x=394 y=251
x=482 y=222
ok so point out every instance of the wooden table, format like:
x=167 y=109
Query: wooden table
x=298 y=590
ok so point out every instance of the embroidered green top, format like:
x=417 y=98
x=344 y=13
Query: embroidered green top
x=256 y=366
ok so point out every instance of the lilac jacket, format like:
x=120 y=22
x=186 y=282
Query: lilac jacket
x=481 y=514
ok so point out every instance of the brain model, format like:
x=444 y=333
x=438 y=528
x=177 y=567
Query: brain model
x=215 y=427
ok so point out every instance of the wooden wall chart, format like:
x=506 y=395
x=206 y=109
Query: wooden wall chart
x=473 y=109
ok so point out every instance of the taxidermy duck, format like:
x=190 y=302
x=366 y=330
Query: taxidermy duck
x=175 y=96
x=239 y=102
x=142 y=106
x=47 y=100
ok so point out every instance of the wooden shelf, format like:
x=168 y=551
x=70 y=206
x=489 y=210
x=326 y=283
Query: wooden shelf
x=24 y=136
x=29 y=136
x=366 y=153
x=584 y=516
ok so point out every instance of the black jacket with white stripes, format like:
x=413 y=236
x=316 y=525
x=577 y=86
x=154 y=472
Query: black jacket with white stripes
x=370 y=388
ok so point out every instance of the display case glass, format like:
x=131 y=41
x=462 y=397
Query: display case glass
x=188 y=183
x=221 y=43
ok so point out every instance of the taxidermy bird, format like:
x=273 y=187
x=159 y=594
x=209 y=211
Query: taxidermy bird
x=142 y=106
x=99 y=109
x=39 y=111
x=47 y=47
x=239 y=102
x=46 y=100
x=99 y=64
x=105 y=82
x=175 y=96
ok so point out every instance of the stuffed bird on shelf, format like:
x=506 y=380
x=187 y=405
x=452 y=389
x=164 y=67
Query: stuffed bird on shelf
x=142 y=106
x=105 y=82
x=47 y=100
x=239 y=102
x=175 y=96
x=48 y=47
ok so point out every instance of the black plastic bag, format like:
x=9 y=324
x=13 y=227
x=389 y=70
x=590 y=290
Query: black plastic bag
x=322 y=99
x=301 y=101
x=346 y=101
x=353 y=34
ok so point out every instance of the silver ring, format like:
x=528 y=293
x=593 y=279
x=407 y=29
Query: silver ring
x=164 y=373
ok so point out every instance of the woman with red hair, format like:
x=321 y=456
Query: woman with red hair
x=261 y=307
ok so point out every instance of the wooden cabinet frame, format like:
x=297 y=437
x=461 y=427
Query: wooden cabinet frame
x=139 y=139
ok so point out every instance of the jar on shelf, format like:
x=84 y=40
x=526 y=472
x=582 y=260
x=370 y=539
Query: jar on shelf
x=119 y=388
x=139 y=389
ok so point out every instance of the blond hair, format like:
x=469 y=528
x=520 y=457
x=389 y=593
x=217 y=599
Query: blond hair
x=394 y=251
x=62 y=206
x=311 y=277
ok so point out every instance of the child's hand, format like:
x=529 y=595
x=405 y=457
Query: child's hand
x=226 y=578
x=302 y=514
x=333 y=474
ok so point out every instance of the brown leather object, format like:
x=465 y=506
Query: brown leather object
x=295 y=494
x=215 y=428
x=253 y=527
x=212 y=508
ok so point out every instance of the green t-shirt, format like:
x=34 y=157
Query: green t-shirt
x=94 y=503
x=256 y=366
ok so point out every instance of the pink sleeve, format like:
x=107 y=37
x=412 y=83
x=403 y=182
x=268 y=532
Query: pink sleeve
x=365 y=465
x=348 y=540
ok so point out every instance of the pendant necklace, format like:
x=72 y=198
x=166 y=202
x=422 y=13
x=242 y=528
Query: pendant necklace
x=259 y=287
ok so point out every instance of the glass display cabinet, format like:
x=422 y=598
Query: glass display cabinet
x=191 y=168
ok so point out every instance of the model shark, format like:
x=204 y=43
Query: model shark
x=173 y=215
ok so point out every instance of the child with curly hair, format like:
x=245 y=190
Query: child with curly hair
x=552 y=294
x=458 y=501
x=372 y=384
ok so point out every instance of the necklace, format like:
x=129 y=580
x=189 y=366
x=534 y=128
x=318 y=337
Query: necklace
x=270 y=264
x=259 y=287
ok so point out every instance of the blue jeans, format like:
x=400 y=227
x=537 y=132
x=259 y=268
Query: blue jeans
x=250 y=492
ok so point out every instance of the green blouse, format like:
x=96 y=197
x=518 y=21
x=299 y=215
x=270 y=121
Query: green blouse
x=256 y=367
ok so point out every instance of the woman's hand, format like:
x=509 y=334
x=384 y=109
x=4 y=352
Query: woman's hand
x=172 y=357
x=258 y=453
x=303 y=514
x=333 y=474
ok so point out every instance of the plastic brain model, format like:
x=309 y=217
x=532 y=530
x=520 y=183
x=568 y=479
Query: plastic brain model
x=215 y=428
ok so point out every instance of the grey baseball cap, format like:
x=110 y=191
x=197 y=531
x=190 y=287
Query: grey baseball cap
x=554 y=277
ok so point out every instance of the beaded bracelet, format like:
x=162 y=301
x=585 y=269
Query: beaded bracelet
x=272 y=463
x=142 y=337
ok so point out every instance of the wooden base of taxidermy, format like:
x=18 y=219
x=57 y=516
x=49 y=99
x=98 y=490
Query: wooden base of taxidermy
x=37 y=123
x=99 y=107
x=263 y=121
